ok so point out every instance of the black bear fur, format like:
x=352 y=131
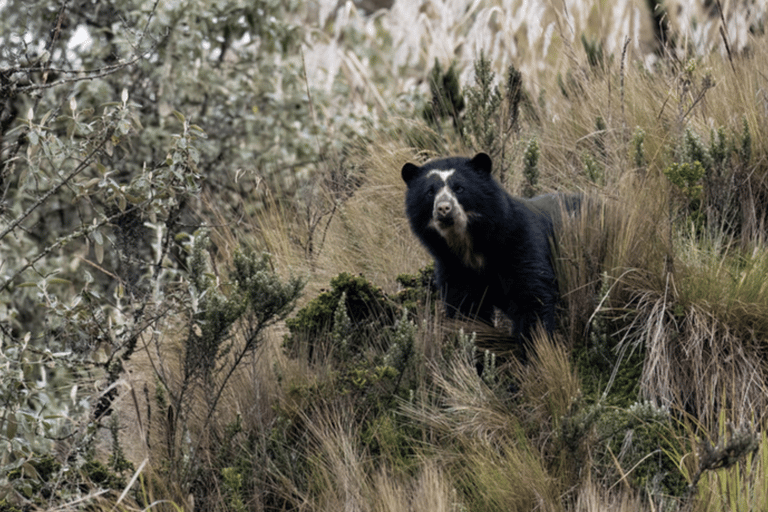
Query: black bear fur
x=490 y=249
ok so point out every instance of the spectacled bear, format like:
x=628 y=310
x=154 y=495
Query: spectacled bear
x=490 y=249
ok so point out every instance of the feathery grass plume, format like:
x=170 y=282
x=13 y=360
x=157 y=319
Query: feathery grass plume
x=506 y=475
x=717 y=309
x=343 y=474
x=458 y=405
x=592 y=496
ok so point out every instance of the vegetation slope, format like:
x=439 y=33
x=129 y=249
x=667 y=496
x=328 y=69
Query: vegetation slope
x=210 y=297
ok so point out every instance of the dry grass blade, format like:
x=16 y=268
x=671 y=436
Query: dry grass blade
x=462 y=406
x=549 y=383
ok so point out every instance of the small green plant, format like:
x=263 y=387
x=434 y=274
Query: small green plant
x=232 y=480
x=593 y=169
x=466 y=344
x=483 y=123
x=490 y=373
x=694 y=150
x=514 y=95
x=742 y=443
x=117 y=460
x=719 y=150
x=686 y=177
x=341 y=326
x=446 y=102
x=594 y=51
x=745 y=148
x=418 y=290
x=638 y=149
x=610 y=371
x=637 y=446
x=531 y=168
x=401 y=348
x=227 y=318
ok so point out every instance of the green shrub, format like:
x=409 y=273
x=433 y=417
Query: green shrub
x=369 y=310
x=418 y=289
x=447 y=102
x=531 y=168
x=483 y=123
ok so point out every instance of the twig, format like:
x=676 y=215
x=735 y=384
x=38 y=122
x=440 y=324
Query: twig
x=77 y=170
x=725 y=36
x=106 y=71
x=62 y=71
x=623 y=60
x=62 y=241
x=146 y=25
x=55 y=33
x=698 y=99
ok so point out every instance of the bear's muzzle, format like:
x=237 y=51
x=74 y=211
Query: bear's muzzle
x=446 y=208
x=443 y=212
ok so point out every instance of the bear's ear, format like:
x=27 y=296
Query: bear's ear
x=409 y=172
x=481 y=162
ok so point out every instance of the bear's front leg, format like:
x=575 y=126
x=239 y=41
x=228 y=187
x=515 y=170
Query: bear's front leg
x=526 y=317
x=469 y=301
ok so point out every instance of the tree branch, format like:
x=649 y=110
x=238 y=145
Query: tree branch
x=77 y=170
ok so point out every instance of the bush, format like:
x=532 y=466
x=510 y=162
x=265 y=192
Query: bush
x=368 y=308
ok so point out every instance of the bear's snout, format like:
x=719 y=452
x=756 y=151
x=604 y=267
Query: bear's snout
x=445 y=213
x=443 y=208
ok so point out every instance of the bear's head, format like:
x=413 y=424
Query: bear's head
x=444 y=196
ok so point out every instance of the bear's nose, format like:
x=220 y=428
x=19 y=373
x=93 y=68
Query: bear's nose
x=443 y=208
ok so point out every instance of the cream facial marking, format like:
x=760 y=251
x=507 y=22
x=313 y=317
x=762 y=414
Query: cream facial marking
x=450 y=220
x=444 y=175
x=445 y=201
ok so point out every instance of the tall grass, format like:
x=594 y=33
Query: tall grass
x=637 y=271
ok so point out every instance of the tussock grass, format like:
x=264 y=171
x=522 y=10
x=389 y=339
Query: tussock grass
x=549 y=384
x=462 y=406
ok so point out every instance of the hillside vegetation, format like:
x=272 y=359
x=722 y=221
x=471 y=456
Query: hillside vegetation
x=210 y=297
